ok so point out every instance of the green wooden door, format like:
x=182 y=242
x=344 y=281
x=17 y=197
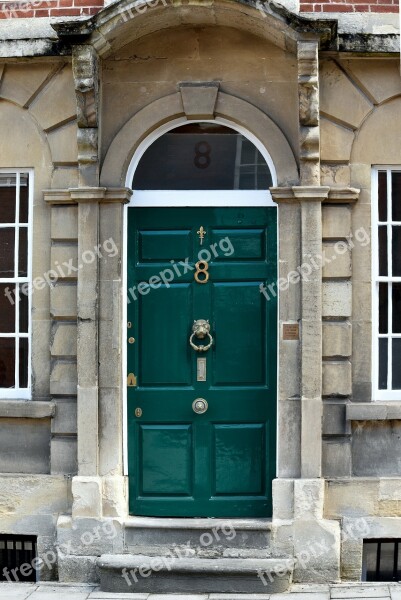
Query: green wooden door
x=219 y=463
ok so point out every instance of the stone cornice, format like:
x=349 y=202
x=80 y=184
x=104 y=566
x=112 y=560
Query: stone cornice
x=88 y=194
x=325 y=194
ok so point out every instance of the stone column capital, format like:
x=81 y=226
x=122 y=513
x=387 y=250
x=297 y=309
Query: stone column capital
x=88 y=194
x=310 y=193
x=300 y=193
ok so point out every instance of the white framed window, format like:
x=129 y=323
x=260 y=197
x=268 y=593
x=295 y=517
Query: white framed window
x=386 y=280
x=16 y=192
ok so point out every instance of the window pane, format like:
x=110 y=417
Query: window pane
x=23 y=311
x=7 y=363
x=7 y=308
x=23 y=199
x=396 y=195
x=201 y=156
x=396 y=251
x=264 y=179
x=249 y=152
x=396 y=307
x=369 y=561
x=382 y=196
x=7 y=237
x=383 y=308
x=23 y=252
x=399 y=562
x=386 y=561
x=23 y=362
x=396 y=364
x=383 y=250
x=7 y=201
x=247 y=177
x=383 y=363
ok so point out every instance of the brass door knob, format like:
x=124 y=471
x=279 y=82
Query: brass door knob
x=200 y=406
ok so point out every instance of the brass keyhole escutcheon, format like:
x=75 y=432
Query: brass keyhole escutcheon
x=138 y=412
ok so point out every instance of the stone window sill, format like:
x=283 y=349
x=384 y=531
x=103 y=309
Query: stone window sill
x=373 y=411
x=26 y=409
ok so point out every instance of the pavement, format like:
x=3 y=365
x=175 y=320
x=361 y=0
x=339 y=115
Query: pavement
x=61 y=591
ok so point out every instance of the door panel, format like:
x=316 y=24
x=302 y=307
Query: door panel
x=219 y=463
x=166 y=459
x=239 y=314
x=157 y=340
x=164 y=245
x=248 y=243
x=239 y=456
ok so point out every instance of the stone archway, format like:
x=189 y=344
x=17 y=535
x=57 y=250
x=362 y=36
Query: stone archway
x=191 y=102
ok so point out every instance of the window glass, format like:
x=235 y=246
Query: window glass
x=202 y=156
x=7 y=362
x=382 y=195
x=14 y=273
x=396 y=195
x=7 y=241
x=388 y=284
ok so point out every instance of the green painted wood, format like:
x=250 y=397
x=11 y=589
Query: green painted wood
x=221 y=463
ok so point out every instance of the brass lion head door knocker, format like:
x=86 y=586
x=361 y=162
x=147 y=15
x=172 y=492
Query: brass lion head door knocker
x=201 y=330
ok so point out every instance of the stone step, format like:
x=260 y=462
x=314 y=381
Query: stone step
x=179 y=574
x=208 y=537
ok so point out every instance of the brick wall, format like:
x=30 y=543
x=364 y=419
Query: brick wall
x=75 y=8
x=345 y=6
x=49 y=8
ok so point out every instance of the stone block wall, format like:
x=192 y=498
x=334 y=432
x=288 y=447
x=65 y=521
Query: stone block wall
x=63 y=346
x=358 y=98
x=336 y=339
x=38 y=113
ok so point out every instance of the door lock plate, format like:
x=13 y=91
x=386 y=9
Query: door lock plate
x=201 y=369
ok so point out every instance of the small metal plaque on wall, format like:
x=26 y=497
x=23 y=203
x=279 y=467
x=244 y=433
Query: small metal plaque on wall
x=291 y=331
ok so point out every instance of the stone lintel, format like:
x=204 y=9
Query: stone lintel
x=325 y=194
x=88 y=194
x=32 y=409
x=373 y=411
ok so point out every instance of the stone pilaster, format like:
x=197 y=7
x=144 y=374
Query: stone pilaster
x=86 y=78
x=309 y=131
x=310 y=199
x=100 y=220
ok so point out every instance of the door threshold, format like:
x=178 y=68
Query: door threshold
x=197 y=523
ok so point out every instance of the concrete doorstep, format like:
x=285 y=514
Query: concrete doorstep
x=63 y=591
